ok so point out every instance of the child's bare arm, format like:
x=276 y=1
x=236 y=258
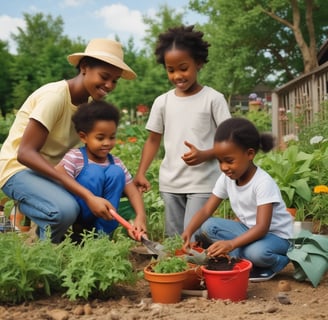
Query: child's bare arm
x=135 y=198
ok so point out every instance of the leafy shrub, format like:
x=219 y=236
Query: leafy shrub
x=27 y=269
x=291 y=169
x=91 y=268
x=5 y=124
x=261 y=119
x=96 y=265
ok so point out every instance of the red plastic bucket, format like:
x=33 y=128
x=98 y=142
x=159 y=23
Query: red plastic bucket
x=230 y=284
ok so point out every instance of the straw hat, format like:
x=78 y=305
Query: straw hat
x=106 y=50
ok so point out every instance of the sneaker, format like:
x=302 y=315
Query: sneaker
x=261 y=274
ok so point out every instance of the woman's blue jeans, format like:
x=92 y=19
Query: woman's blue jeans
x=45 y=202
x=268 y=252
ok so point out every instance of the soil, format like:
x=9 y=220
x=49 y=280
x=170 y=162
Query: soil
x=279 y=298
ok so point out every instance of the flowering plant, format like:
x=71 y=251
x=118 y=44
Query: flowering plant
x=319 y=205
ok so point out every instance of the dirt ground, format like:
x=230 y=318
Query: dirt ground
x=265 y=301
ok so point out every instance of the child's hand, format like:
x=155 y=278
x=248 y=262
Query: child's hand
x=220 y=247
x=192 y=157
x=100 y=207
x=139 y=229
x=142 y=183
x=186 y=239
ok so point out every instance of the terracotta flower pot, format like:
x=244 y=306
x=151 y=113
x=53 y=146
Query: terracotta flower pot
x=194 y=277
x=292 y=211
x=19 y=221
x=194 y=274
x=165 y=287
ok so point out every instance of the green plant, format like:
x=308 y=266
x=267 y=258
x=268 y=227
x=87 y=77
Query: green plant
x=91 y=268
x=27 y=269
x=130 y=141
x=170 y=265
x=172 y=244
x=261 y=119
x=291 y=169
x=318 y=207
x=5 y=124
x=96 y=265
x=319 y=127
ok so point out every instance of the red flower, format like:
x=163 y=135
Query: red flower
x=132 y=139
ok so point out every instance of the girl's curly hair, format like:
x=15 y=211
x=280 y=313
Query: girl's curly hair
x=182 y=38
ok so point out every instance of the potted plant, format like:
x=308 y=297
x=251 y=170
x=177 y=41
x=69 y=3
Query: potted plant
x=174 y=246
x=166 y=276
x=227 y=277
x=174 y=262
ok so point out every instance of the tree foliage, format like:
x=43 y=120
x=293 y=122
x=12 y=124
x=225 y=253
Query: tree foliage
x=252 y=42
x=152 y=79
x=5 y=78
x=41 y=55
x=254 y=39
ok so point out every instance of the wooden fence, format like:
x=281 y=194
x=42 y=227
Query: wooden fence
x=296 y=103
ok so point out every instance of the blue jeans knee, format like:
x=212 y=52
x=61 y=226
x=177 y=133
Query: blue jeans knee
x=45 y=202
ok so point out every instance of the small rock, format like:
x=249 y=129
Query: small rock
x=256 y=311
x=284 y=286
x=78 y=311
x=58 y=314
x=271 y=309
x=114 y=315
x=283 y=298
x=156 y=309
x=87 y=309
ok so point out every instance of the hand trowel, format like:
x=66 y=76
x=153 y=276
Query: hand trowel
x=153 y=247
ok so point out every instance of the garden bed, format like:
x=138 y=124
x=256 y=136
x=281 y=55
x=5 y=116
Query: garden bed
x=132 y=302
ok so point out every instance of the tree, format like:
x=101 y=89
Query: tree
x=258 y=41
x=151 y=77
x=5 y=78
x=308 y=50
x=164 y=19
x=41 y=55
x=148 y=84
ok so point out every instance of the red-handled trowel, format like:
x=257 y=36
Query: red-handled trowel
x=153 y=247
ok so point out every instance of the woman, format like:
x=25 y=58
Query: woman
x=43 y=132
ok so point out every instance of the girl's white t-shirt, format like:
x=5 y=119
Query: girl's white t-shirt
x=244 y=200
x=193 y=119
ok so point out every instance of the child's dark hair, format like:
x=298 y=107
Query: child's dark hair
x=88 y=113
x=182 y=38
x=243 y=133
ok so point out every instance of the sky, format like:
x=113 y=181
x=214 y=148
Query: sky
x=90 y=18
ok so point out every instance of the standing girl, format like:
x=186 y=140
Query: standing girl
x=186 y=117
x=264 y=226
x=42 y=133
